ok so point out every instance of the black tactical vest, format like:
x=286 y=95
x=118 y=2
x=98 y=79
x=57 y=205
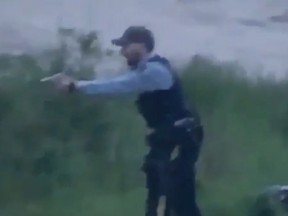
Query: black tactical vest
x=162 y=107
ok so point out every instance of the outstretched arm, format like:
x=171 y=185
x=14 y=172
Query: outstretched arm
x=153 y=77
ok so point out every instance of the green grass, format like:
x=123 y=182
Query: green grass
x=78 y=155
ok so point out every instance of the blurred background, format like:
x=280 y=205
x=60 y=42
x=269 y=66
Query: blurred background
x=80 y=155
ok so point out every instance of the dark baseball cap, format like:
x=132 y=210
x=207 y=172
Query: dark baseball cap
x=136 y=34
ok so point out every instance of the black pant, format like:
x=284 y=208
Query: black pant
x=173 y=179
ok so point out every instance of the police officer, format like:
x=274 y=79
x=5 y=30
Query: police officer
x=162 y=105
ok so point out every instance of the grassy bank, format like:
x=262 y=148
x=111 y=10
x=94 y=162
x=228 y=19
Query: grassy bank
x=79 y=155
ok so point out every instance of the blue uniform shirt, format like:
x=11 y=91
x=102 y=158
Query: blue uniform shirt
x=148 y=76
x=160 y=97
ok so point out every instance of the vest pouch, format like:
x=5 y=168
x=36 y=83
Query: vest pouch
x=161 y=139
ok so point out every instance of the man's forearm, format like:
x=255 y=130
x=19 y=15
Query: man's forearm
x=110 y=87
x=153 y=77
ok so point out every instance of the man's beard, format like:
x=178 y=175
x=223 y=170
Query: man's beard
x=133 y=62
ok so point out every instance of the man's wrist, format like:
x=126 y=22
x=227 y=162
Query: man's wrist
x=72 y=87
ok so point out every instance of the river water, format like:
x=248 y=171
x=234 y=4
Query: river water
x=224 y=29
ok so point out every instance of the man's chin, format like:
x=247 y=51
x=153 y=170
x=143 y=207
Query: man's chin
x=132 y=63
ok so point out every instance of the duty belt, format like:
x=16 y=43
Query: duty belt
x=181 y=123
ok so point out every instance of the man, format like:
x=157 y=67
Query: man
x=161 y=103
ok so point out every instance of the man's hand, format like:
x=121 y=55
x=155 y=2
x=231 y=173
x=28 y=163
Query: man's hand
x=61 y=81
